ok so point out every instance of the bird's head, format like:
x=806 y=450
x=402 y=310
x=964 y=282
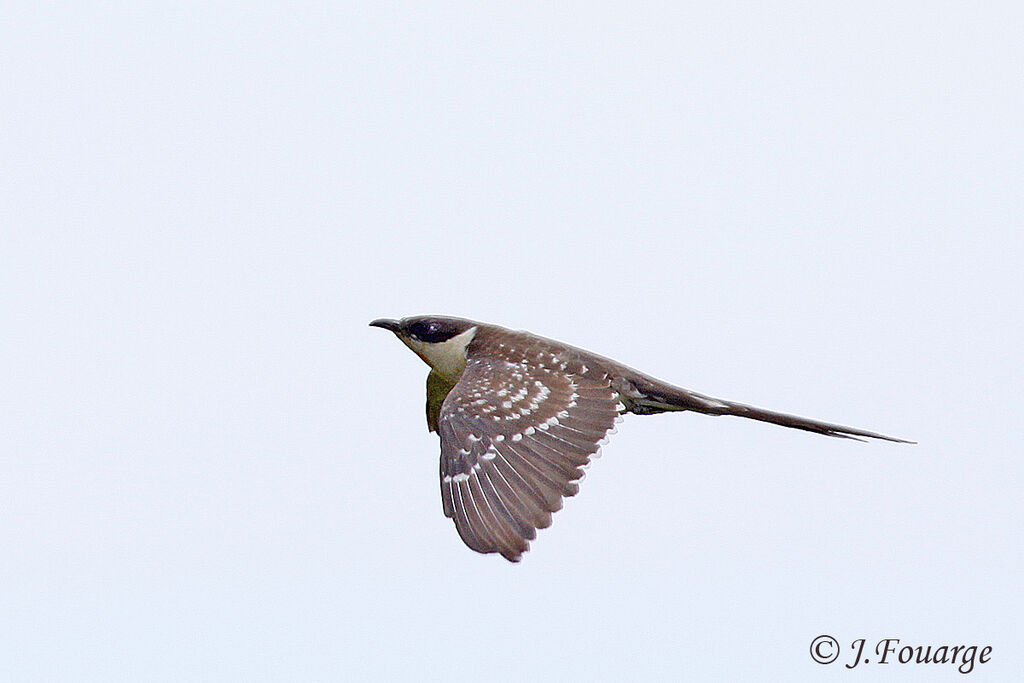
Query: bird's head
x=440 y=341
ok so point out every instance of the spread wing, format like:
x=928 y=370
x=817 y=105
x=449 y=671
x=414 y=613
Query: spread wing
x=514 y=441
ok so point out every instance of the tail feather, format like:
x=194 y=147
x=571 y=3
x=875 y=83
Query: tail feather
x=664 y=398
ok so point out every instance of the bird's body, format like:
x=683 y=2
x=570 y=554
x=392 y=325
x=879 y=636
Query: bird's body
x=520 y=416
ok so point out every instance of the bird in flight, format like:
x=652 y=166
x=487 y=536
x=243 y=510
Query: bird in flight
x=520 y=416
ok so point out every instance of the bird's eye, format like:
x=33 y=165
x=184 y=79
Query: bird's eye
x=432 y=331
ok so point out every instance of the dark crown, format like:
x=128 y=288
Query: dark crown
x=434 y=329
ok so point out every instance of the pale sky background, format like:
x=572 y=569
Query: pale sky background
x=213 y=470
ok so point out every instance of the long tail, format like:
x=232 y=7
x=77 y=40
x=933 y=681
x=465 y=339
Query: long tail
x=659 y=398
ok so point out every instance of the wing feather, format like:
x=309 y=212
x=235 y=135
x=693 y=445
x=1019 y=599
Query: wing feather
x=500 y=533
x=514 y=440
x=510 y=514
x=545 y=490
x=462 y=522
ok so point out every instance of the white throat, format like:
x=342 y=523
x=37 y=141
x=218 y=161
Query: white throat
x=448 y=358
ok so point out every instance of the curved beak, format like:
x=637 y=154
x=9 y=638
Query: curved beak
x=387 y=324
